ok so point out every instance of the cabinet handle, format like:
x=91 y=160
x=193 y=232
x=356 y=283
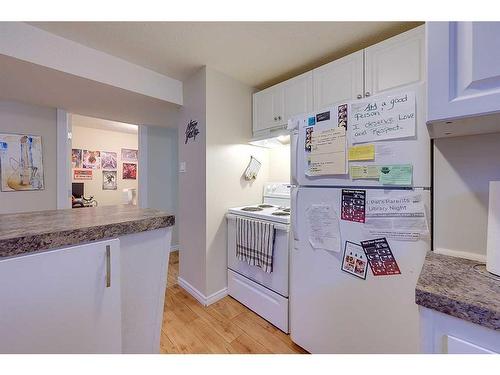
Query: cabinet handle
x=108 y=266
x=359 y=96
x=367 y=93
x=275 y=119
x=279 y=117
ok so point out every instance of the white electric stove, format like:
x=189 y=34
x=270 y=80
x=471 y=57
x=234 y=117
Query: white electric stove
x=264 y=293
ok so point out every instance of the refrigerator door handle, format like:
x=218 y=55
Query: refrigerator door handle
x=293 y=206
x=294 y=156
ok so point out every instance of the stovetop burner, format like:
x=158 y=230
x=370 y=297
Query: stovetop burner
x=251 y=209
x=281 y=213
x=265 y=205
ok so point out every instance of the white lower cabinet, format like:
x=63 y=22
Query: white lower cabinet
x=445 y=334
x=62 y=301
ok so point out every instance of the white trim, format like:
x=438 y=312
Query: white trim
x=200 y=297
x=143 y=166
x=63 y=167
x=174 y=248
x=461 y=254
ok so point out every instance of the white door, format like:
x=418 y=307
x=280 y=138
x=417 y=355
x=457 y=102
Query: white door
x=415 y=150
x=332 y=311
x=338 y=81
x=60 y=302
x=395 y=62
x=268 y=109
x=297 y=96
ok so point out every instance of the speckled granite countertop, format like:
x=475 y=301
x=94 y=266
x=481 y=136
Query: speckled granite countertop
x=452 y=286
x=31 y=232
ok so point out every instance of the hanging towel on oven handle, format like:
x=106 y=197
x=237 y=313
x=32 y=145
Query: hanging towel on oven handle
x=255 y=243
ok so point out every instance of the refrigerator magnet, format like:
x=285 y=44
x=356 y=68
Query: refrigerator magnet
x=380 y=257
x=353 y=205
x=354 y=260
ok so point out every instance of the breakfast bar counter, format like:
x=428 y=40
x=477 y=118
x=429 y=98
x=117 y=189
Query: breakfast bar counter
x=87 y=280
x=30 y=232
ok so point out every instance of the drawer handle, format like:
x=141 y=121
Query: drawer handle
x=108 y=266
x=359 y=96
x=367 y=94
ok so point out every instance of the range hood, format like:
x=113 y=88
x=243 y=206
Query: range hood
x=271 y=139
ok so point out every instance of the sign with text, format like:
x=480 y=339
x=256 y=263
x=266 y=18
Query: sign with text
x=383 y=118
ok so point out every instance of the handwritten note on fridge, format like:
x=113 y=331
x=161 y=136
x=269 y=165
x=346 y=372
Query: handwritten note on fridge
x=324 y=228
x=383 y=118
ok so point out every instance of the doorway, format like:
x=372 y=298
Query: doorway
x=104 y=162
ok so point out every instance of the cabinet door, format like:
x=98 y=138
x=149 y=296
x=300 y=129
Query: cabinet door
x=297 y=96
x=463 y=71
x=267 y=108
x=458 y=346
x=395 y=62
x=59 y=301
x=338 y=81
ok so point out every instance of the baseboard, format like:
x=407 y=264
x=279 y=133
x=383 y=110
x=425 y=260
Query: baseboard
x=200 y=297
x=174 y=248
x=461 y=254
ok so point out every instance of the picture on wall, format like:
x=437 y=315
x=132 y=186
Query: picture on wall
x=21 y=165
x=76 y=158
x=109 y=180
x=82 y=174
x=129 y=154
x=129 y=171
x=108 y=160
x=91 y=159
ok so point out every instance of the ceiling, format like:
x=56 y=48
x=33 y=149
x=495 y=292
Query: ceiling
x=257 y=53
x=97 y=123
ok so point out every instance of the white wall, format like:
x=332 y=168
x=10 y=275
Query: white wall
x=213 y=180
x=191 y=218
x=279 y=164
x=163 y=172
x=229 y=124
x=463 y=167
x=87 y=138
x=16 y=117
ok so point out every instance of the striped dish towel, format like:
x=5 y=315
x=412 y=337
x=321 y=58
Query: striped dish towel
x=255 y=243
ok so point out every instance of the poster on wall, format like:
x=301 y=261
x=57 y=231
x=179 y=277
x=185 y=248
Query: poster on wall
x=129 y=155
x=82 y=174
x=108 y=160
x=109 y=180
x=91 y=159
x=129 y=171
x=76 y=158
x=21 y=165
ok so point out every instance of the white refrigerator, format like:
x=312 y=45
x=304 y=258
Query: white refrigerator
x=333 y=311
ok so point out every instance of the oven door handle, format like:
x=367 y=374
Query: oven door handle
x=277 y=226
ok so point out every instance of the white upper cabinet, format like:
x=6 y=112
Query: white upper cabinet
x=266 y=106
x=395 y=62
x=297 y=96
x=273 y=107
x=463 y=61
x=338 y=81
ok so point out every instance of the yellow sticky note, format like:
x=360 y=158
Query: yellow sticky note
x=362 y=152
x=359 y=172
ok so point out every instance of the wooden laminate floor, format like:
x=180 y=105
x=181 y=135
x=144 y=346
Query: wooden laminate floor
x=223 y=327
